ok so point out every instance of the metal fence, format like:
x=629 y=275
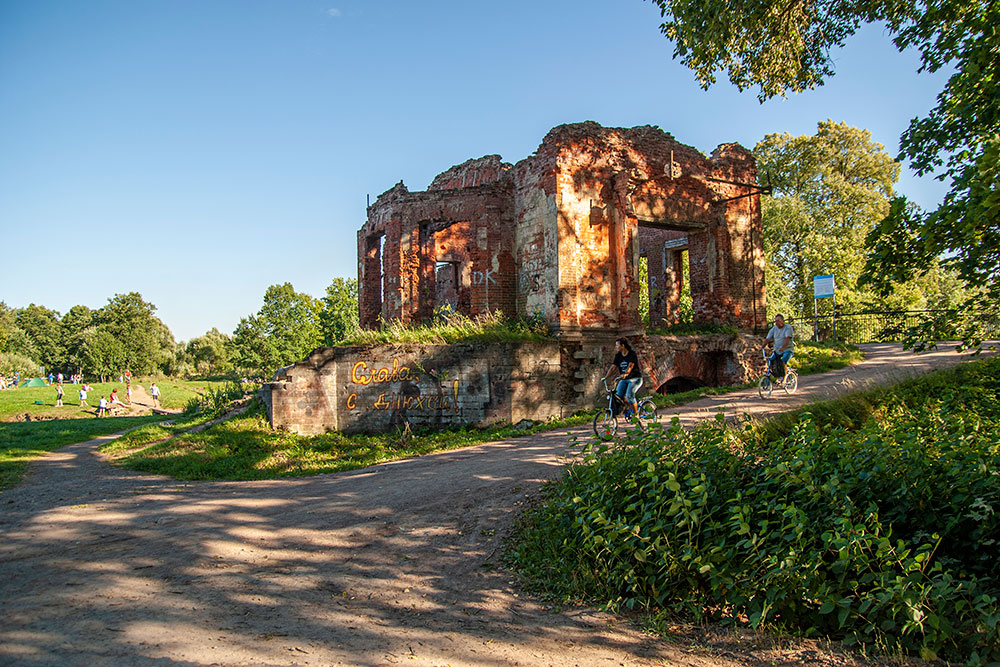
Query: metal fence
x=891 y=326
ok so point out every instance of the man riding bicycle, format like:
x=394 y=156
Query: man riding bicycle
x=781 y=336
x=626 y=366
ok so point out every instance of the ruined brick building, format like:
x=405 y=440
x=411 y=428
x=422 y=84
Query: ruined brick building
x=559 y=235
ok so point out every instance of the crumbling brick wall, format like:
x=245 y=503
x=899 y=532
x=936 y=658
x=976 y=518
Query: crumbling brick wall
x=463 y=235
x=558 y=236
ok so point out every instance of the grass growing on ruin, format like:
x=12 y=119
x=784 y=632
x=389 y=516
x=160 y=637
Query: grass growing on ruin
x=692 y=329
x=455 y=328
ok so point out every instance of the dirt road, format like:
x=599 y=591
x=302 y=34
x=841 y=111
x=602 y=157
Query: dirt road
x=398 y=563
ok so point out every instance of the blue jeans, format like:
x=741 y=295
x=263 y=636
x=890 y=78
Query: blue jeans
x=778 y=361
x=626 y=389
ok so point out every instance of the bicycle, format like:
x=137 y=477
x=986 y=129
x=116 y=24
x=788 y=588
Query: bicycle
x=790 y=381
x=606 y=420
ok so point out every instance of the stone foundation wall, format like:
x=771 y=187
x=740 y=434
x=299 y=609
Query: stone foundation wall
x=376 y=389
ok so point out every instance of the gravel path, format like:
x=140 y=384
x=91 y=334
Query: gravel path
x=397 y=563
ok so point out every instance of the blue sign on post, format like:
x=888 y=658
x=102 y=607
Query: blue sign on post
x=823 y=286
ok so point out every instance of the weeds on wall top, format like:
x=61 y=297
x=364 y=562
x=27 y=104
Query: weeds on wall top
x=449 y=327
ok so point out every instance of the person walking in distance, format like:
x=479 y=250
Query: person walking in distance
x=155 y=392
x=59 y=395
x=83 y=396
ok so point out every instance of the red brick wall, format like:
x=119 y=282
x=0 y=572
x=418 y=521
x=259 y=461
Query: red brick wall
x=559 y=235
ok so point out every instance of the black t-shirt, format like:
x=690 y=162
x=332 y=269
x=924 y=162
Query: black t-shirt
x=622 y=362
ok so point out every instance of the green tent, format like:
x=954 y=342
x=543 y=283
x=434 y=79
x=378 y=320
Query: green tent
x=33 y=382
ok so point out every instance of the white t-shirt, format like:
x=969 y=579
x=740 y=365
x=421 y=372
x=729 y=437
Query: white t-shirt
x=780 y=335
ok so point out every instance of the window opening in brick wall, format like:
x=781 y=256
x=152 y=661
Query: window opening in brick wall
x=445 y=287
x=686 y=306
x=647 y=290
x=381 y=268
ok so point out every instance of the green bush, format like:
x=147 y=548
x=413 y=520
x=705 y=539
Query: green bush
x=11 y=363
x=884 y=534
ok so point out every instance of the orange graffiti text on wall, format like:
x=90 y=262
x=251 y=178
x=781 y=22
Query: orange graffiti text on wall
x=360 y=374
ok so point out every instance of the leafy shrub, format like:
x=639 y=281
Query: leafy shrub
x=11 y=363
x=884 y=534
x=220 y=399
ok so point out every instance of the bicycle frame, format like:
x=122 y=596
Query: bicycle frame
x=614 y=398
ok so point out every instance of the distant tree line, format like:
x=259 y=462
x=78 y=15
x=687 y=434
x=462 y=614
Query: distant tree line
x=126 y=334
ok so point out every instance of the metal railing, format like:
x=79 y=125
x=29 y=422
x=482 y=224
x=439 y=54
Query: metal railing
x=888 y=326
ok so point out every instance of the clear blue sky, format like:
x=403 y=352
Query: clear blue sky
x=199 y=151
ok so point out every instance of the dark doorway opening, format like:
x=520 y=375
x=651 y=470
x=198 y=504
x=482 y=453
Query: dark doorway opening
x=679 y=385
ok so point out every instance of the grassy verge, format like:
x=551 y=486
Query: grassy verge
x=811 y=358
x=865 y=520
x=22 y=442
x=246 y=447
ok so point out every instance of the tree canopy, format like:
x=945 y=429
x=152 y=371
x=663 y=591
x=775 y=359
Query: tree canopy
x=283 y=331
x=830 y=190
x=782 y=47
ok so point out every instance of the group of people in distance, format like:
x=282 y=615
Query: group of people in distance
x=107 y=404
x=625 y=364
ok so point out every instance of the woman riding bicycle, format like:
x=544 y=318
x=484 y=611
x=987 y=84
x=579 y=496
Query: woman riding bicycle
x=626 y=366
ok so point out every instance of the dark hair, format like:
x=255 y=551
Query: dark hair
x=624 y=342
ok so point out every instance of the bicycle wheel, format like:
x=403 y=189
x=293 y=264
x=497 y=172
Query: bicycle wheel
x=605 y=425
x=791 y=382
x=647 y=410
x=765 y=386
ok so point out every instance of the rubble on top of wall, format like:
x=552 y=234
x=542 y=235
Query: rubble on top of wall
x=471 y=173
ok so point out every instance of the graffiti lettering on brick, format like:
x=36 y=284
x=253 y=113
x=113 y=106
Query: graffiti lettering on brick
x=352 y=401
x=434 y=402
x=483 y=277
x=360 y=374
x=529 y=283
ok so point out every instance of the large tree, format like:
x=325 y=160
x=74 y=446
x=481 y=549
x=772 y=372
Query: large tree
x=210 y=353
x=74 y=324
x=283 y=331
x=778 y=47
x=830 y=190
x=128 y=319
x=339 y=317
x=42 y=328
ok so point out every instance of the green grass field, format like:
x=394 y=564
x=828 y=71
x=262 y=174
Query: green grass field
x=51 y=428
x=40 y=401
x=22 y=442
